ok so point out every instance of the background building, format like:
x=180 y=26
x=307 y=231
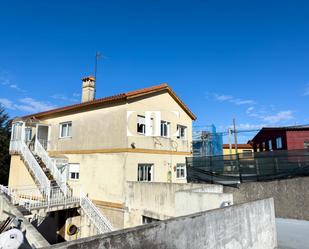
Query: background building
x=241 y=148
x=281 y=138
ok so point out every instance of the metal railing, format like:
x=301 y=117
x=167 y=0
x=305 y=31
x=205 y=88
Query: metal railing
x=5 y=190
x=20 y=147
x=50 y=164
x=94 y=214
x=34 y=198
x=44 y=196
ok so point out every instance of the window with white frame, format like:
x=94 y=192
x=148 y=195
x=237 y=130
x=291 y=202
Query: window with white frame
x=141 y=124
x=181 y=171
x=279 y=142
x=165 y=129
x=145 y=172
x=270 y=145
x=28 y=134
x=74 y=171
x=65 y=130
x=181 y=132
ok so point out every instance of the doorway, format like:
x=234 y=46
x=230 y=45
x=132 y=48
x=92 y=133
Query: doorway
x=42 y=135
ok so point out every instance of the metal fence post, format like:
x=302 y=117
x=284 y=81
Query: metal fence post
x=257 y=169
x=211 y=170
x=239 y=168
x=276 y=165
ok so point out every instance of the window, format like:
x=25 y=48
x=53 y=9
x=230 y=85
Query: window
x=147 y=220
x=145 y=172
x=141 y=126
x=74 y=171
x=247 y=152
x=181 y=132
x=28 y=134
x=180 y=170
x=279 y=142
x=65 y=130
x=263 y=146
x=165 y=129
x=270 y=145
x=306 y=145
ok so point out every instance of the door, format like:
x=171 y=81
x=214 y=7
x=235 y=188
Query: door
x=42 y=135
x=17 y=131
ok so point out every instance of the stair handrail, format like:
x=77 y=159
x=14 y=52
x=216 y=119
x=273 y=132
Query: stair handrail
x=32 y=163
x=5 y=190
x=101 y=223
x=50 y=164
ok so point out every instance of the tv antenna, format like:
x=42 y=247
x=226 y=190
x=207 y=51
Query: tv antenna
x=98 y=56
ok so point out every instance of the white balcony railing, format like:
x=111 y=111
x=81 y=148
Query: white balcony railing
x=32 y=198
x=44 y=196
x=94 y=214
x=50 y=164
x=19 y=146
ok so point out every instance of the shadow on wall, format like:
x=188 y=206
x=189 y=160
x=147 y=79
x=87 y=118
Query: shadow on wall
x=244 y=226
x=55 y=222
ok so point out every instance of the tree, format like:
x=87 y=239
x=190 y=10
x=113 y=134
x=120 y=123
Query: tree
x=5 y=135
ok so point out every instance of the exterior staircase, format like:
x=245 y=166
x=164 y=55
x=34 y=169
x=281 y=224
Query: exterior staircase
x=46 y=171
x=53 y=192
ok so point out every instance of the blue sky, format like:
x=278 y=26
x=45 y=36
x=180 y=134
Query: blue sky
x=225 y=59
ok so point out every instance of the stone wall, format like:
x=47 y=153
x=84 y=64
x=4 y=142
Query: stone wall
x=291 y=196
x=245 y=226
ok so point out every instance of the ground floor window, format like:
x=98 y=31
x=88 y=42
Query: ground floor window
x=147 y=220
x=74 y=171
x=145 y=172
x=181 y=171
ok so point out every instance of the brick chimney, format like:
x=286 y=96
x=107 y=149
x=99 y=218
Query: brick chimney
x=88 y=89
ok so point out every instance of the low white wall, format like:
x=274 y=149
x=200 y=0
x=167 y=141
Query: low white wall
x=157 y=200
x=245 y=226
x=193 y=201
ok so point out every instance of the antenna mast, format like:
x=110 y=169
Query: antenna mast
x=97 y=57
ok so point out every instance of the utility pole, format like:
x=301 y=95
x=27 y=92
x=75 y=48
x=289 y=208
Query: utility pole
x=235 y=136
x=229 y=131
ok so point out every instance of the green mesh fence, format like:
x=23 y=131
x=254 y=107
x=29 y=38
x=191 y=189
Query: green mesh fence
x=260 y=166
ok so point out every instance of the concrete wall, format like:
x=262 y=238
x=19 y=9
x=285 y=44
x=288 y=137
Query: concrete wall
x=291 y=196
x=159 y=200
x=245 y=226
x=33 y=238
x=189 y=202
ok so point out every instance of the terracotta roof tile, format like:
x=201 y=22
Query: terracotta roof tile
x=239 y=146
x=116 y=99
